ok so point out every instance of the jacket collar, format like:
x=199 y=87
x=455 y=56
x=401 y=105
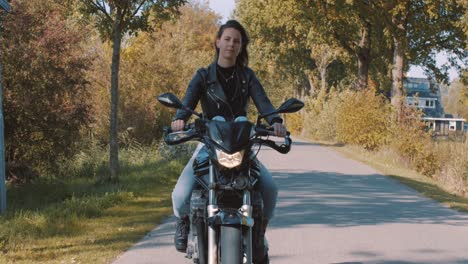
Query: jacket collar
x=213 y=84
x=212 y=75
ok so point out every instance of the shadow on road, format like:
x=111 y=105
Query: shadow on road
x=350 y=200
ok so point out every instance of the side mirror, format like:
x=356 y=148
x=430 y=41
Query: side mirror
x=290 y=106
x=170 y=100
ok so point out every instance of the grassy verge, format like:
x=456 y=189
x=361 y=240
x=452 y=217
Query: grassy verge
x=390 y=164
x=79 y=221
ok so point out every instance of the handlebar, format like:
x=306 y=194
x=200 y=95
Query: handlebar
x=192 y=131
x=283 y=148
x=263 y=131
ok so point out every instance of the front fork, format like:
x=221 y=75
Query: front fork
x=212 y=210
x=246 y=210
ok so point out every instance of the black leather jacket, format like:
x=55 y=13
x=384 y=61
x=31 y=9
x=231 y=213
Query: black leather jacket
x=206 y=88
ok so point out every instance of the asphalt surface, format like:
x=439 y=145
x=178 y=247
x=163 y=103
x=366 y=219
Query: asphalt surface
x=335 y=210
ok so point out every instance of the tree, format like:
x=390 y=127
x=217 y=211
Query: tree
x=277 y=49
x=419 y=29
x=304 y=27
x=455 y=98
x=163 y=60
x=349 y=25
x=114 y=19
x=45 y=89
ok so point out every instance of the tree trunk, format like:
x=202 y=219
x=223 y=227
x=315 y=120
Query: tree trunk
x=323 y=78
x=397 y=71
x=363 y=55
x=399 y=43
x=114 y=144
x=313 y=88
x=397 y=76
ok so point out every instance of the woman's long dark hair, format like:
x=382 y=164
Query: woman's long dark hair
x=243 y=57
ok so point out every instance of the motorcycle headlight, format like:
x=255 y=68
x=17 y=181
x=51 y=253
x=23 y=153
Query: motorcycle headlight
x=229 y=160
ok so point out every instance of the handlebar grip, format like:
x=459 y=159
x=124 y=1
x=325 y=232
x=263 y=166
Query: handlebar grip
x=262 y=131
x=168 y=129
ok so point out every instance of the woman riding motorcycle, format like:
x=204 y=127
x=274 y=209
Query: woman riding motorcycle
x=224 y=89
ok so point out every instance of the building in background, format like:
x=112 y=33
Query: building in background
x=424 y=94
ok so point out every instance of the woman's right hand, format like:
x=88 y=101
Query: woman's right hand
x=177 y=125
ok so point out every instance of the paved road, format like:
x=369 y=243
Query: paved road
x=335 y=210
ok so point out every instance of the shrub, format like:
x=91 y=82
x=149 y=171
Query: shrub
x=413 y=143
x=453 y=173
x=363 y=119
x=46 y=91
x=320 y=121
x=294 y=123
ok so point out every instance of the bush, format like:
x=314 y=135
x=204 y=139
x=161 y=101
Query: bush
x=46 y=92
x=369 y=121
x=453 y=173
x=363 y=119
x=320 y=121
x=294 y=123
x=413 y=143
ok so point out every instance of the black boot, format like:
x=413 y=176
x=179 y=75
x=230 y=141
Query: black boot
x=181 y=234
x=266 y=259
x=261 y=247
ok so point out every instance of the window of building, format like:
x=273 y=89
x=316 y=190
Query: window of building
x=429 y=103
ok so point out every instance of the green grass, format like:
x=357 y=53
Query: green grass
x=75 y=220
x=390 y=164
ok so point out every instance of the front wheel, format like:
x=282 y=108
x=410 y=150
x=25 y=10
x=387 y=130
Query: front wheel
x=231 y=245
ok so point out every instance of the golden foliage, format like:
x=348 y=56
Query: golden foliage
x=453 y=173
x=414 y=143
x=320 y=120
x=363 y=119
x=163 y=60
x=294 y=122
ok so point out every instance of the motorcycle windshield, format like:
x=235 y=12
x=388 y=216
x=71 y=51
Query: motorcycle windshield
x=230 y=136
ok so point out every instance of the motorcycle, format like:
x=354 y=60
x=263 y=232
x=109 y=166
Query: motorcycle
x=226 y=206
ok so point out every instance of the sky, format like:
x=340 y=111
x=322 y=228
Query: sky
x=222 y=7
x=225 y=8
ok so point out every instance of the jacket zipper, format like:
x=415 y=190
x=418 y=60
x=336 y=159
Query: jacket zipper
x=214 y=96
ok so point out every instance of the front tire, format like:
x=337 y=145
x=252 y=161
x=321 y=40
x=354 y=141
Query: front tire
x=231 y=245
x=202 y=248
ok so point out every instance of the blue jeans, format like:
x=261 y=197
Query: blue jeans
x=186 y=182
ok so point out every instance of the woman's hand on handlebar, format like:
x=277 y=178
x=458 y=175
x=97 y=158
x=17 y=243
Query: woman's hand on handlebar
x=177 y=125
x=279 y=130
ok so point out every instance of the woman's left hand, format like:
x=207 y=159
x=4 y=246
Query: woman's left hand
x=279 y=130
